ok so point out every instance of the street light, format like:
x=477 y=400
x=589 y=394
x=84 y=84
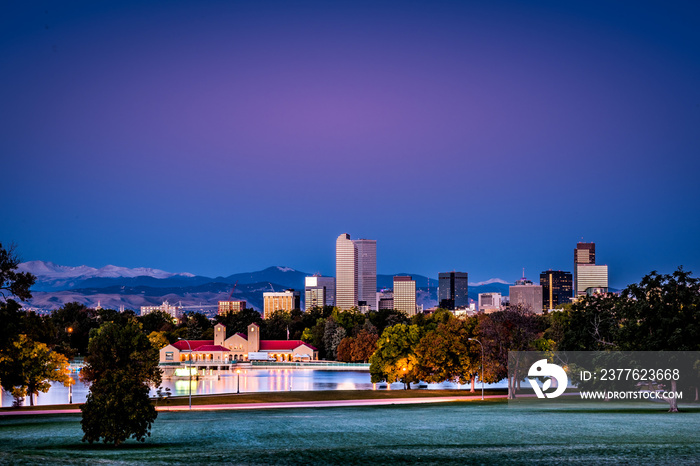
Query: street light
x=481 y=374
x=238 y=381
x=190 y=371
x=404 y=378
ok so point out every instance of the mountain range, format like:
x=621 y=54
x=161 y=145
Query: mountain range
x=114 y=287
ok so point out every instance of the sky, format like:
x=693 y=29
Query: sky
x=224 y=137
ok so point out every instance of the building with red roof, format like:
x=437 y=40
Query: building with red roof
x=220 y=355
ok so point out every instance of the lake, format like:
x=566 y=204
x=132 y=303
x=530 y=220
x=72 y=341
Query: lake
x=251 y=380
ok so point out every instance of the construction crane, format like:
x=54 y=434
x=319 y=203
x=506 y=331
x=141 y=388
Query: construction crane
x=232 y=290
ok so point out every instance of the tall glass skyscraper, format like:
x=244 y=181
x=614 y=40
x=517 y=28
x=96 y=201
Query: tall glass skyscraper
x=345 y=272
x=453 y=289
x=557 y=288
x=367 y=271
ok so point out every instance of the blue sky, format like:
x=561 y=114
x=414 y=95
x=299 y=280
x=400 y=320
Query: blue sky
x=215 y=138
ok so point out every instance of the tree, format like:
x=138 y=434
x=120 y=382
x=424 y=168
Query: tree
x=13 y=283
x=662 y=313
x=120 y=366
x=444 y=354
x=513 y=329
x=364 y=346
x=395 y=357
x=345 y=349
x=158 y=340
x=29 y=367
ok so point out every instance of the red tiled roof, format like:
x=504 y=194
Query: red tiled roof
x=282 y=345
x=242 y=336
x=212 y=348
x=182 y=344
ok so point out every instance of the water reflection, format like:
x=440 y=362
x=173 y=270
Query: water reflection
x=251 y=380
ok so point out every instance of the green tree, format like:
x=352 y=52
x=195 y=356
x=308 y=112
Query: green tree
x=444 y=354
x=29 y=367
x=662 y=313
x=121 y=365
x=395 y=357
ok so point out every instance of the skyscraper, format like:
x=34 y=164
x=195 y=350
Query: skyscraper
x=584 y=254
x=453 y=288
x=591 y=277
x=405 y=295
x=319 y=291
x=345 y=272
x=367 y=271
x=527 y=294
x=557 y=288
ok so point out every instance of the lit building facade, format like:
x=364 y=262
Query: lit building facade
x=557 y=288
x=366 y=271
x=453 y=289
x=591 y=276
x=280 y=301
x=319 y=291
x=174 y=311
x=385 y=299
x=226 y=307
x=405 y=295
x=345 y=273
x=584 y=254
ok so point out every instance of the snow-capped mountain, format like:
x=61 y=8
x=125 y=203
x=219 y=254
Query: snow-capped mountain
x=49 y=270
x=491 y=282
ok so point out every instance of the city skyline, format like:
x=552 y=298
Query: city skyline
x=218 y=138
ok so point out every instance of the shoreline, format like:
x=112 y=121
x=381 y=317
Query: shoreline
x=268 y=400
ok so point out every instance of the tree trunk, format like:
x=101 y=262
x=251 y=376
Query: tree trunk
x=696 y=394
x=31 y=399
x=673 y=402
x=473 y=382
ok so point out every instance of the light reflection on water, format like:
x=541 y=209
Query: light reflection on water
x=251 y=380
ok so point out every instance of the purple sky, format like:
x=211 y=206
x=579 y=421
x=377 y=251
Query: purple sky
x=222 y=137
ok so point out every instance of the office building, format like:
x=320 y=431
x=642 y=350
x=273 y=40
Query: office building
x=385 y=299
x=526 y=294
x=319 y=291
x=174 y=311
x=405 y=295
x=226 y=307
x=591 y=277
x=366 y=271
x=453 y=289
x=345 y=273
x=557 y=288
x=584 y=254
x=489 y=302
x=280 y=301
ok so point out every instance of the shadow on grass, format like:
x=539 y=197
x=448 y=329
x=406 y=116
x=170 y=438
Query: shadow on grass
x=130 y=445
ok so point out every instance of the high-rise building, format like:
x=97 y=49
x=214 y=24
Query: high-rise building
x=280 y=301
x=557 y=288
x=405 y=295
x=319 y=291
x=584 y=254
x=489 y=302
x=385 y=299
x=590 y=276
x=226 y=307
x=527 y=294
x=366 y=271
x=453 y=288
x=345 y=272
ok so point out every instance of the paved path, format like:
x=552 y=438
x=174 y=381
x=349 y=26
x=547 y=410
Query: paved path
x=285 y=405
